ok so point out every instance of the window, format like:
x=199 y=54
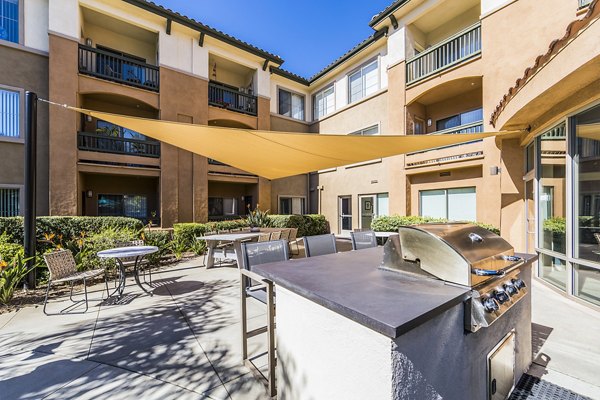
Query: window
x=324 y=102
x=10 y=113
x=465 y=118
x=222 y=206
x=9 y=20
x=9 y=202
x=116 y=205
x=372 y=130
x=292 y=205
x=363 y=82
x=291 y=104
x=453 y=204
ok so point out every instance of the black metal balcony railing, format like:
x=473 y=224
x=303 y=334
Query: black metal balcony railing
x=223 y=96
x=116 y=68
x=212 y=161
x=117 y=145
x=454 y=50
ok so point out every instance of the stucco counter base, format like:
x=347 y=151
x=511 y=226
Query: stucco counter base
x=347 y=330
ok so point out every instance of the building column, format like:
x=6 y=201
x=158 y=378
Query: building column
x=63 y=87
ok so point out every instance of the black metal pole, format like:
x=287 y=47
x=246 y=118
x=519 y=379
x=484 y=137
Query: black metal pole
x=30 y=172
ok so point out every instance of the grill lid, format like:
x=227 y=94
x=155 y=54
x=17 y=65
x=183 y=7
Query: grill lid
x=461 y=253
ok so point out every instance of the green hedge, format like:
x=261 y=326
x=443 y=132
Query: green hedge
x=308 y=225
x=67 y=227
x=391 y=223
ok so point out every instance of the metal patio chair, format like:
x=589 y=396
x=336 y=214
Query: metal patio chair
x=597 y=252
x=264 y=237
x=285 y=235
x=255 y=286
x=319 y=245
x=276 y=235
x=363 y=240
x=63 y=268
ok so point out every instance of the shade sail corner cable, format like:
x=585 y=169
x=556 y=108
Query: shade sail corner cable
x=274 y=154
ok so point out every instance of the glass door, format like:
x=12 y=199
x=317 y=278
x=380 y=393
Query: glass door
x=345 y=214
x=529 y=217
x=367 y=211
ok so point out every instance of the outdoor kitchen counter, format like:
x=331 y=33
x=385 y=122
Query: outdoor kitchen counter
x=350 y=284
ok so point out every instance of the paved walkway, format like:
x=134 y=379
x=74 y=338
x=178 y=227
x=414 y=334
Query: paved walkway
x=184 y=343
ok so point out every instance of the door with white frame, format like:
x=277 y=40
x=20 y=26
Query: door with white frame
x=345 y=214
x=371 y=206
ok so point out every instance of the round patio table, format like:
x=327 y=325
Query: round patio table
x=137 y=253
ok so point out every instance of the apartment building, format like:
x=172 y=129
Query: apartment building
x=430 y=67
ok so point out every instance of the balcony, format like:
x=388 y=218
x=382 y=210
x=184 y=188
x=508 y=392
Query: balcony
x=88 y=141
x=231 y=98
x=117 y=68
x=475 y=127
x=452 y=51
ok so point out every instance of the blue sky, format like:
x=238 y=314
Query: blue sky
x=307 y=34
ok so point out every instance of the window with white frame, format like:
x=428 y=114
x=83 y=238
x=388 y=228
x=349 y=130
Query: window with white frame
x=370 y=131
x=9 y=20
x=458 y=204
x=289 y=205
x=324 y=102
x=363 y=82
x=10 y=113
x=291 y=104
x=10 y=201
x=222 y=206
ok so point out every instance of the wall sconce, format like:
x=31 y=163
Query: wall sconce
x=429 y=122
x=88 y=118
x=90 y=194
x=495 y=170
x=88 y=42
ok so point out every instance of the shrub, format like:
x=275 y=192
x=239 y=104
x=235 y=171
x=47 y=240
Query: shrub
x=187 y=233
x=66 y=228
x=8 y=249
x=160 y=239
x=11 y=274
x=308 y=225
x=391 y=223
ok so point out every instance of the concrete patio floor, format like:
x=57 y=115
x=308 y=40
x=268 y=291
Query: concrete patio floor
x=184 y=343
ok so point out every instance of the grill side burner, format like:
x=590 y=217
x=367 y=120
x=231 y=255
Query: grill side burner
x=462 y=254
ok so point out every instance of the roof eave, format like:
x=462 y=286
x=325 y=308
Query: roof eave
x=161 y=11
x=386 y=12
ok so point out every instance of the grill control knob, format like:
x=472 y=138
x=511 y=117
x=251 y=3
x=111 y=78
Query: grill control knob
x=518 y=282
x=510 y=288
x=490 y=304
x=501 y=296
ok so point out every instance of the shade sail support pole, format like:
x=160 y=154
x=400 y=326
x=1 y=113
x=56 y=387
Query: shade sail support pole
x=30 y=183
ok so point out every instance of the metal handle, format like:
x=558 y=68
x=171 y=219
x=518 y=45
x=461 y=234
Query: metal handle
x=487 y=272
x=475 y=238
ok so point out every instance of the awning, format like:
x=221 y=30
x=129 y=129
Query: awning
x=274 y=154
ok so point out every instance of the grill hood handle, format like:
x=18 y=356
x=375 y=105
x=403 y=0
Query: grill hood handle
x=487 y=272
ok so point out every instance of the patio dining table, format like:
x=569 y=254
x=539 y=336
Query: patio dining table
x=137 y=253
x=212 y=241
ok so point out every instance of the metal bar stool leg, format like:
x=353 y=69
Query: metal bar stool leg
x=46 y=298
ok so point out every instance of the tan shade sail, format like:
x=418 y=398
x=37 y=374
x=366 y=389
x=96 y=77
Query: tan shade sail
x=275 y=155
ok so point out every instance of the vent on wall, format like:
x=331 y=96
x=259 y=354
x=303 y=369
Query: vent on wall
x=445 y=173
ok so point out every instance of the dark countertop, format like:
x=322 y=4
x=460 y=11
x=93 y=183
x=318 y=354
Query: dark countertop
x=351 y=285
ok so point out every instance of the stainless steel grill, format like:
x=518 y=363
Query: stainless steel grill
x=462 y=254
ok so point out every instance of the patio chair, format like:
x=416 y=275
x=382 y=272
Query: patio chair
x=130 y=261
x=293 y=240
x=276 y=235
x=63 y=268
x=285 y=235
x=363 y=240
x=597 y=237
x=319 y=245
x=264 y=237
x=255 y=286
